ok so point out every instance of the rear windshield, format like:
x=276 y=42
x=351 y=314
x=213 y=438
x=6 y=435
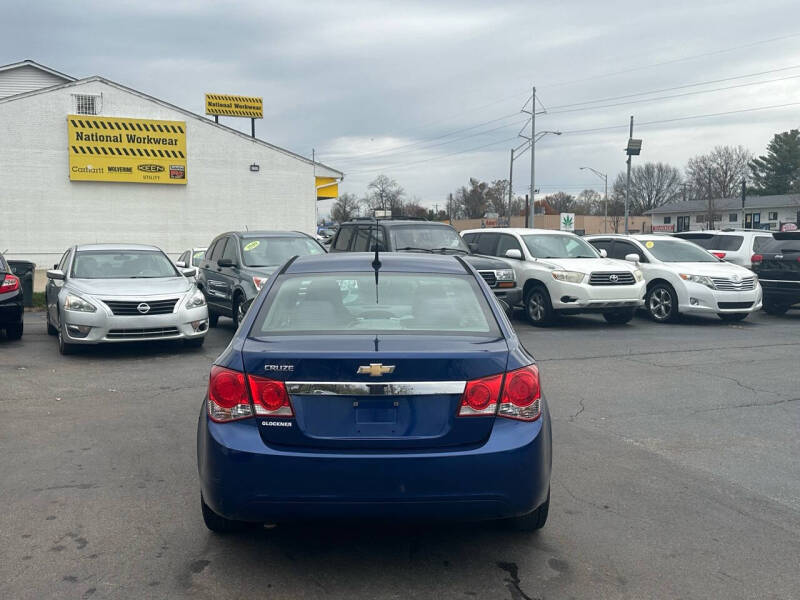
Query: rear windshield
x=122 y=264
x=273 y=251
x=780 y=246
x=197 y=257
x=319 y=303
x=678 y=251
x=426 y=237
x=3 y=265
x=710 y=241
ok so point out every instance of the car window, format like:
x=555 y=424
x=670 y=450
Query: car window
x=507 y=242
x=558 y=246
x=230 y=251
x=365 y=239
x=427 y=237
x=344 y=237
x=621 y=249
x=602 y=245
x=470 y=238
x=319 y=303
x=678 y=251
x=197 y=257
x=3 y=264
x=711 y=241
x=760 y=242
x=274 y=250
x=122 y=264
x=216 y=250
x=62 y=265
x=487 y=244
x=781 y=246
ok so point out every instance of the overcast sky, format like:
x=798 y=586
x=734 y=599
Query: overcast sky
x=429 y=93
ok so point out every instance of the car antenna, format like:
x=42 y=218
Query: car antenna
x=376 y=262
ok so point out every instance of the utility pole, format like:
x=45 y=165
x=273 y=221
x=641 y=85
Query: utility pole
x=744 y=197
x=533 y=160
x=450 y=208
x=710 y=218
x=510 y=185
x=628 y=182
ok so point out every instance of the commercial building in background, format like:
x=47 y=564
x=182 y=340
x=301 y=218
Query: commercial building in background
x=90 y=160
x=760 y=212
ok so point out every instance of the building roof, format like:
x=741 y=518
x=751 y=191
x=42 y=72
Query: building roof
x=723 y=204
x=35 y=65
x=71 y=82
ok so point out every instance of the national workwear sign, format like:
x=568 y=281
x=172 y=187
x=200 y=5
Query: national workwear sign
x=235 y=106
x=126 y=150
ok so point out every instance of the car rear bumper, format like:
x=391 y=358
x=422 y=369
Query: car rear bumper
x=11 y=310
x=182 y=324
x=244 y=479
x=781 y=292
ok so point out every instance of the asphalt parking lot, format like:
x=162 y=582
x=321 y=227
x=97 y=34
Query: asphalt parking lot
x=675 y=475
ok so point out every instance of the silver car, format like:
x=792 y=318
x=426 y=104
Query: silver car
x=102 y=293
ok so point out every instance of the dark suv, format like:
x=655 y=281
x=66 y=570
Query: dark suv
x=417 y=235
x=777 y=265
x=238 y=263
x=10 y=302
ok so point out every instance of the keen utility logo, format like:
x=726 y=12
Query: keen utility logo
x=122 y=149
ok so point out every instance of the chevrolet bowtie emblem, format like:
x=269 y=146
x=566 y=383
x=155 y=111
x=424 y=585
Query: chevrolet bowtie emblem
x=375 y=369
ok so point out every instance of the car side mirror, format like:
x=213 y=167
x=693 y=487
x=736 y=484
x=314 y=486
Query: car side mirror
x=634 y=258
x=55 y=274
x=603 y=252
x=226 y=262
x=514 y=253
x=180 y=264
x=189 y=271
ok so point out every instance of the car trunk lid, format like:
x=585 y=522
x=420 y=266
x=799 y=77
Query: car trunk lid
x=375 y=392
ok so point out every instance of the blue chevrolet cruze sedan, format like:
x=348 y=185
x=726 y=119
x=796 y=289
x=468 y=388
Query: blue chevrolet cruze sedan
x=367 y=386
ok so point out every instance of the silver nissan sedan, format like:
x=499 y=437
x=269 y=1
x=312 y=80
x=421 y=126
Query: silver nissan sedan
x=102 y=293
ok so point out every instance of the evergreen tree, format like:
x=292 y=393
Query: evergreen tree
x=779 y=171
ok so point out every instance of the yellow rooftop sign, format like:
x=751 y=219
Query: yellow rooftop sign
x=234 y=106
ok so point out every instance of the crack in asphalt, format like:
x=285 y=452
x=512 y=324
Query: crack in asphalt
x=513 y=582
x=750 y=405
x=580 y=410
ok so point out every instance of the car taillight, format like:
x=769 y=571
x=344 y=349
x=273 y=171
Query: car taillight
x=756 y=258
x=227 y=396
x=270 y=397
x=9 y=284
x=521 y=395
x=480 y=396
x=719 y=255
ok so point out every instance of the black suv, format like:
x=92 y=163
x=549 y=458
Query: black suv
x=418 y=235
x=11 y=306
x=777 y=265
x=237 y=264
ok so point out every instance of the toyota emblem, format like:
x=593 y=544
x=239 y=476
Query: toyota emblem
x=613 y=277
x=143 y=308
x=736 y=277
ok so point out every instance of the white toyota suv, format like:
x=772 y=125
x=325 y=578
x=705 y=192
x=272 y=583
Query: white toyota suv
x=731 y=245
x=684 y=278
x=562 y=274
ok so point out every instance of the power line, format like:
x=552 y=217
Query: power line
x=681 y=95
x=677 y=87
x=676 y=119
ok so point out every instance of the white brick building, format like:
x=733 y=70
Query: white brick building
x=42 y=212
x=759 y=212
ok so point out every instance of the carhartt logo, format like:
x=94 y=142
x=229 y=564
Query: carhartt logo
x=375 y=369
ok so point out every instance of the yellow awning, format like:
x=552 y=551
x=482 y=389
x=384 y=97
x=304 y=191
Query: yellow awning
x=327 y=187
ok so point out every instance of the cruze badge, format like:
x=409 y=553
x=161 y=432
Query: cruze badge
x=375 y=369
x=279 y=368
x=143 y=308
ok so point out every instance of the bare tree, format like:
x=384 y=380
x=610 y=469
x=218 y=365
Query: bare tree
x=652 y=185
x=497 y=197
x=415 y=209
x=589 y=202
x=560 y=202
x=384 y=193
x=345 y=208
x=473 y=199
x=718 y=173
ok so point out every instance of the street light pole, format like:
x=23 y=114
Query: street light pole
x=604 y=177
x=531 y=218
x=628 y=182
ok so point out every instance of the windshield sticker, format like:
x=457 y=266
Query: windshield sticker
x=649 y=245
x=252 y=246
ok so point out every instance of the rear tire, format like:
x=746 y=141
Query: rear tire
x=538 y=306
x=238 y=310
x=661 y=303
x=213 y=318
x=217 y=523
x=51 y=330
x=733 y=317
x=619 y=317
x=533 y=521
x=14 y=332
x=776 y=309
